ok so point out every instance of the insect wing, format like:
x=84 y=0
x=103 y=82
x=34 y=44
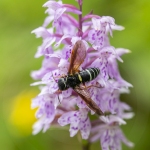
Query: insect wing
x=77 y=57
x=83 y=93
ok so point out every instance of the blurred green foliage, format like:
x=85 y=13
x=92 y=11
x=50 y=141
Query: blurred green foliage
x=18 y=46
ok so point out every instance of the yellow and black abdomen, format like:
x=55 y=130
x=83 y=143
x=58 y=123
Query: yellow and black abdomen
x=88 y=74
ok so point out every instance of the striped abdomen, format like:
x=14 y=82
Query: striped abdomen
x=89 y=74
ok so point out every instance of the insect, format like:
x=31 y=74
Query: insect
x=76 y=78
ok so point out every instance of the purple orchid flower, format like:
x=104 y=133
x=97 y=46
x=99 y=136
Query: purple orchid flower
x=57 y=107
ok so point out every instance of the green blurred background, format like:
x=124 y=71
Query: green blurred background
x=17 y=49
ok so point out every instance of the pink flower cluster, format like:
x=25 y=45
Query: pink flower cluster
x=59 y=33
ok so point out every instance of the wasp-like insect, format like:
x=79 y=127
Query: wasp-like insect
x=75 y=77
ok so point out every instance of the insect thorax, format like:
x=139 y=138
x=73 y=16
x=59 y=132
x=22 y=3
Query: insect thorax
x=69 y=81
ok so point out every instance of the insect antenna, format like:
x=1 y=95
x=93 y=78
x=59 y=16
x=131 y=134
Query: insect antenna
x=58 y=91
x=54 y=78
x=59 y=99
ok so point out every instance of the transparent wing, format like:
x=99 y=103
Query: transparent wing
x=83 y=93
x=77 y=57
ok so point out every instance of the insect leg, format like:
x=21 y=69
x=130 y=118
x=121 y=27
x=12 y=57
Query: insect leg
x=83 y=86
x=94 y=86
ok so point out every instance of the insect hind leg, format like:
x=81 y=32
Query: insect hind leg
x=94 y=86
x=83 y=86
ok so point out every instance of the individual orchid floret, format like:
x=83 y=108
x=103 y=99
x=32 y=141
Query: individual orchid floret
x=78 y=120
x=110 y=134
x=57 y=9
x=45 y=113
x=56 y=6
x=98 y=34
x=42 y=32
x=79 y=79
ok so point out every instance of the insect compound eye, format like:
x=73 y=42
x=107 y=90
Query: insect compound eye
x=62 y=84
